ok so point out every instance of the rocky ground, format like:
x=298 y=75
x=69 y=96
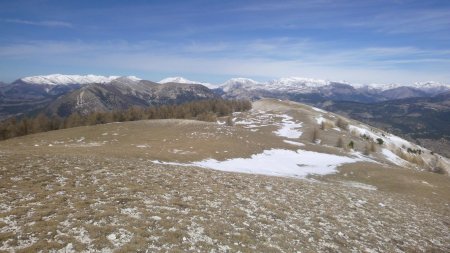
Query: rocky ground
x=137 y=186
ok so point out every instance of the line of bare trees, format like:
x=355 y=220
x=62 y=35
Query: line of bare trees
x=204 y=110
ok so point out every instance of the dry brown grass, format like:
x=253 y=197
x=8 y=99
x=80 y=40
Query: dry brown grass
x=412 y=158
x=326 y=124
x=74 y=193
x=342 y=123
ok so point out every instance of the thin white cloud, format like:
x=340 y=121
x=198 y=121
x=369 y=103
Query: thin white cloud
x=195 y=47
x=276 y=58
x=46 y=23
x=406 y=21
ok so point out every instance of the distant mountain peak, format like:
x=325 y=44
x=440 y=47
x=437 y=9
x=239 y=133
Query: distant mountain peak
x=176 y=79
x=133 y=78
x=243 y=80
x=302 y=84
x=59 y=79
x=293 y=80
x=238 y=83
x=179 y=79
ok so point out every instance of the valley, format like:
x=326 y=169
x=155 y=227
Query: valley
x=417 y=112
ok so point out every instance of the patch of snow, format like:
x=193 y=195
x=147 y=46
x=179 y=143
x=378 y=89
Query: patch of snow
x=132 y=212
x=397 y=141
x=181 y=152
x=82 y=235
x=68 y=249
x=320 y=119
x=278 y=162
x=393 y=157
x=318 y=109
x=428 y=184
x=389 y=139
x=120 y=238
x=245 y=122
x=197 y=234
x=289 y=128
x=294 y=143
x=360 y=185
x=85 y=145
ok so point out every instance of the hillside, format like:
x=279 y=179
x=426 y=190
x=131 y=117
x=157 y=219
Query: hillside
x=277 y=180
x=63 y=95
x=118 y=95
x=425 y=120
x=58 y=93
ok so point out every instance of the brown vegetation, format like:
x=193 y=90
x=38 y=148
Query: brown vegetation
x=325 y=124
x=315 y=135
x=204 y=110
x=342 y=123
x=340 y=142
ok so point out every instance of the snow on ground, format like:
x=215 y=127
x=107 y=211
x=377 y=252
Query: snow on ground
x=83 y=144
x=120 y=238
x=132 y=212
x=294 y=143
x=397 y=141
x=142 y=146
x=278 y=162
x=393 y=157
x=318 y=109
x=289 y=128
x=389 y=139
x=320 y=119
x=359 y=185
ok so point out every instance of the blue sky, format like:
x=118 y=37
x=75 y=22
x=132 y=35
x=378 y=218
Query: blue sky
x=380 y=41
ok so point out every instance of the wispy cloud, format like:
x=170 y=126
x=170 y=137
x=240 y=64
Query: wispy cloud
x=275 y=58
x=387 y=17
x=409 y=21
x=46 y=23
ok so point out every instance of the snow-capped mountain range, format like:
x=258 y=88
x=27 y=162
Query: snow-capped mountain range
x=281 y=84
x=301 y=83
x=305 y=85
x=63 y=95
x=58 y=79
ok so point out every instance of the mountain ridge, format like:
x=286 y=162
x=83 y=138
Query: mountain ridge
x=61 y=95
x=179 y=79
x=61 y=79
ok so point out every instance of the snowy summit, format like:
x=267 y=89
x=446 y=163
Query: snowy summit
x=58 y=79
x=179 y=79
x=307 y=84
